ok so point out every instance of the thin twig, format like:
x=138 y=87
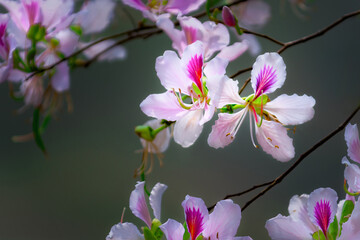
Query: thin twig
x=301 y=158
x=263 y=36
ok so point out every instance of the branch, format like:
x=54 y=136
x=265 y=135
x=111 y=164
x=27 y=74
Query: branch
x=300 y=159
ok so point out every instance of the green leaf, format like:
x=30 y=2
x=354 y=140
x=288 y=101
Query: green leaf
x=334 y=228
x=45 y=123
x=186 y=234
x=319 y=235
x=148 y=235
x=17 y=60
x=347 y=209
x=36 y=130
x=155 y=228
x=210 y=4
x=76 y=29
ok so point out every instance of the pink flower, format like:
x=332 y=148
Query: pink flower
x=192 y=91
x=157 y=7
x=215 y=37
x=267 y=75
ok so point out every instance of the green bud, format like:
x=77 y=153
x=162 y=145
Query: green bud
x=145 y=132
x=76 y=29
x=54 y=42
x=36 y=33
x=155 y=228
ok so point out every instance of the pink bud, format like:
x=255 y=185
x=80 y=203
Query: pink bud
x=228 y=17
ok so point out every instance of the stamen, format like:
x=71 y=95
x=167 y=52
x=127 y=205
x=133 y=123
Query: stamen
x=251 y=133
x=122 y=215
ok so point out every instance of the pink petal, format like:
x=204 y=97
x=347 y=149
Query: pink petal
x=187 y=128
x=298 y=211
x=60 y=81
x=55 y=12
x=183 y=6
x=223 y=221
x=350 y=229
x=352 y=175
x=216 y=66
x=281 y=228
x=268 y=73
x=232 y=52
x=224 y=130
x=124 y=231
x=155 y=199
x=215 y=38
x=177 y=37
x=292 y=110
x=161 y=141
x=137 y=4
x=273 y=139
x=196 y=215
x=253 y=13
x=173 y=230
x=192 y=30
x=138 y=204
x=230 y=93
x=322 y=207
x=353 y=142
x=163 y=106
x=68 y=41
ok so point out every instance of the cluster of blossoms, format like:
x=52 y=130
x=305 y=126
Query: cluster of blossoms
x=222 y=223
x=35 y=34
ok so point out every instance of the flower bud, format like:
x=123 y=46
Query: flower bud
x=228 y=17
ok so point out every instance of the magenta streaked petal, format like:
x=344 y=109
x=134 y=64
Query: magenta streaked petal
x=268 y=73
x=32 y=10
x=196 y=215
x=322 y=207
x=353 y=142
x=195 y=71
x=138 y=204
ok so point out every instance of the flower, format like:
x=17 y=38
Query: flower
x=222 y=223
x=267 y=75
x=188 y=78
x=352 y=171
x=308 y=215
x=228 y=17
x=157 y=7
x=140 y=209
x=215 y=37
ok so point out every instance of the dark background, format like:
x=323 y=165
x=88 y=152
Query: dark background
x=80 y=191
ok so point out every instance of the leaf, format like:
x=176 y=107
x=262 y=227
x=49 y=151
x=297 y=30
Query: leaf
x=148 y=235
x=319 y=235
x=210 y=4
x=186 y=234
x=334 y=228
x=155 y=228
x=347 y=209
x=36 y=130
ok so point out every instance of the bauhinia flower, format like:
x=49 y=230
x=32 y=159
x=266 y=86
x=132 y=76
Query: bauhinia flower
x=140 y=209
x=352 y=171
x=309 y=215
x=153 y=8
x=222 y=223
x=215 y=37
x=268 y=74
x=193 y=89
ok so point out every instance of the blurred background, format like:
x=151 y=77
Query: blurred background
x=81 y=190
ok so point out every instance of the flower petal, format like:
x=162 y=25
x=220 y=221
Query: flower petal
x=60 y=81
x=322 y=207
x=350 y=229
x=285 y=228
x=232 y=52
x=138 y=204
x=173 y=230
x=183 y=6
x=298 y=211
x=161 y=141
x=55 y=12
x=224 y=130
x=155 y=199
x=215 y=38
x=230 y=93
x=353 y=142
x=115 y=53
x=187 y=129
x=163 y=106
x=273 y=139
x=137 y=4
x=124 y=231
x=268 y=73
x=177 y=37
x=352 y=175
x=196 y=215
x=217 y=66
x=223 y=221
x=291 y=110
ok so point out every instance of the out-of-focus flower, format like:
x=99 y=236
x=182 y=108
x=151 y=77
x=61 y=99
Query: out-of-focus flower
x=186 y=79
x=222 y=223
x=268 y=74
x=228 y=17
x=308 y=215
x=215 y=37
x=154 y=8
x=140 y=209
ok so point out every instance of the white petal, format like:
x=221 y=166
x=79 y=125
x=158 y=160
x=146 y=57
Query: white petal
x=60 y=81
x=298 y=211
x=230 y=93
x=352 y=175
x=353 y=142
x=161 y=141
x=223 y=132
x=292 y=110
x=55 y=12
x=325 y=199
x=242 y=238
x=217 y=66
x=285 y=228
x=216 y=38
x=273 y=139
x=183 y=6
x=171 y=72
x=252 y=42
x=350 y=229
x=124 y=231
x=268 y=73
x=223 y=221
x=138 y=204
x=173 y=230
x=137 y=4
x=68 y=41
x=177 y=37
x=156 y=197
x=187 y=129
x=163 y=106
x=232 y=52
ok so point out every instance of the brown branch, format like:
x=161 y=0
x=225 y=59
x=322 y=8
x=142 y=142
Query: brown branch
x=301 y=158
x=263 y=36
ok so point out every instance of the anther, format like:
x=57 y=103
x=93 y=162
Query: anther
x=276 y=146
x=227 y=134
x=269 y=139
